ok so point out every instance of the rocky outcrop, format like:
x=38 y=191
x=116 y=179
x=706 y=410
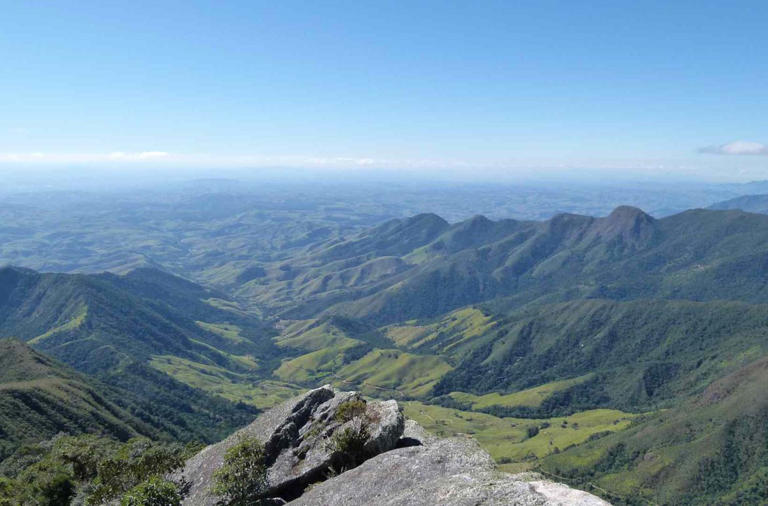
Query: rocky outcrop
x=299 y=443
x=399 y=462
x=450 y=472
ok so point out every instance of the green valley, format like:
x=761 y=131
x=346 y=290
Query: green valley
x=558 y=345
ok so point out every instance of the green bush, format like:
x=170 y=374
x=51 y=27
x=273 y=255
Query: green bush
x=154 y=492
x=137 y=461
x=349 y=410
x=349 y=445
x=242 y=480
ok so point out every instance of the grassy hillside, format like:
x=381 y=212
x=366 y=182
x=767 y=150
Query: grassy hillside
x=40 y=397
x=528 y=398
x=713 y=449
x=518 y=443
x=113 y=326
x=388 y=373
x=640 y=354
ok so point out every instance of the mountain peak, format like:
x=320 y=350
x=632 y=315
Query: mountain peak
x=629 y=223
x=628 y=213
x=428 y=219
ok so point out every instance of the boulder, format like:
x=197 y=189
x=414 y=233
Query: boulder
x=300 y=444
x=453 y=471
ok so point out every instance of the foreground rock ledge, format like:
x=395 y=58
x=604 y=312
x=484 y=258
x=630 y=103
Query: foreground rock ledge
x=408 y=466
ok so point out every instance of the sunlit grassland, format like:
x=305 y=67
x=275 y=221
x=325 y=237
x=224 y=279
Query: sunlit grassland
x=454 y=329
x=72 y=324
x=225 y=330
x=393 y=372
x=224 y=383
x=231 y=306
x=314 y=366
x=309 y=335
x=509 y=440
x=531 y=397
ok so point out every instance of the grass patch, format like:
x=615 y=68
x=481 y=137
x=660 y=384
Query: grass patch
x=532 y=397
x=507 y=439
x=309 y=335
x=388 y=372
x=314 y=366
x=445 y=335
x=227 y=305
x=227 y=384
x=225 y=330
x=72 y=324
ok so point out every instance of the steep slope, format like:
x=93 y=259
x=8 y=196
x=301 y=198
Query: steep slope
x=713 y=449
x=116 y=327
x=640 y=354
x=40 y=397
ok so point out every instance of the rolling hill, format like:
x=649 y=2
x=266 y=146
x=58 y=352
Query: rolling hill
x=40 y=397
x=571 y=334
x=115 y=327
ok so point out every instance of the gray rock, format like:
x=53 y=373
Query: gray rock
x=454 y=471
x=298 y=442
x=416 y=432
x=386 y=426
x=406 y=465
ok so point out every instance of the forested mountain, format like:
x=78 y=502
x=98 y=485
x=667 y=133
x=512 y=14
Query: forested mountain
x=112 y=327
x=101 y=322
x=712 y=449
x=640 y=354
x=696 y=255
x=40 y=397
x=559 y=343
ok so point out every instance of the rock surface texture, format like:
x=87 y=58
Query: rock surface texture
x=402 y=464
x=452 y=471
x=298 y=438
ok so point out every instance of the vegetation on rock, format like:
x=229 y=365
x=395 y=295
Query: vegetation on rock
x=241 y=481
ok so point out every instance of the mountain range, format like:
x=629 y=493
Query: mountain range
x=621 y=351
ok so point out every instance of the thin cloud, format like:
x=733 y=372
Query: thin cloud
x=144 y=155
x=248 y=160
x=737 y=148
x=59 y=158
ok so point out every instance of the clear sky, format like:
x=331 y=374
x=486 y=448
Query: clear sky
x=480 y=87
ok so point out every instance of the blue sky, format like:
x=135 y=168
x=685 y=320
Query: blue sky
x=654 y=87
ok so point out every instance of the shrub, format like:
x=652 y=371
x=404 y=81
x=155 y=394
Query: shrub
x=154 y=492
x=242 y=480
x=135 y=462
x=349 y=445
x=349 y=410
